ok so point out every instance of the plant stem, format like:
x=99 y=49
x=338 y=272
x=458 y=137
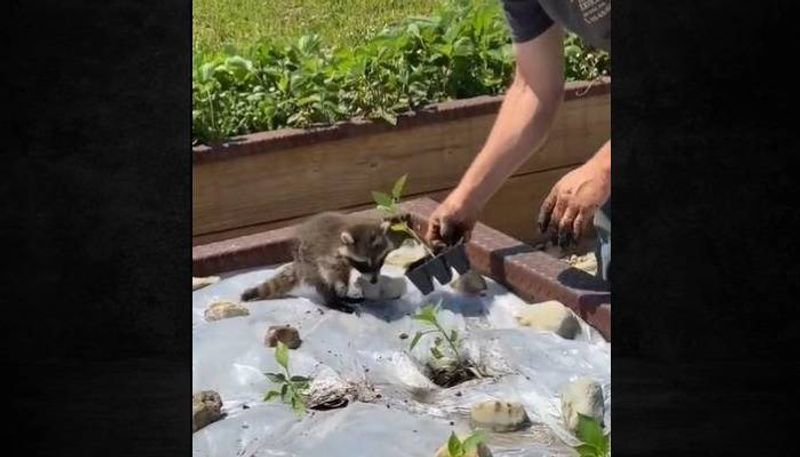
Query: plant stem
x=419 y=240
x=450 y=342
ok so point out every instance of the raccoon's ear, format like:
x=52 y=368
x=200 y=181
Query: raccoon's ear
x=385 y=226
x=347 y=238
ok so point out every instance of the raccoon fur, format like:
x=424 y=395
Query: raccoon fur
x=326 y=249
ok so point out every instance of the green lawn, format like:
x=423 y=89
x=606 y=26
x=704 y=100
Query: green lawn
x=241 y=23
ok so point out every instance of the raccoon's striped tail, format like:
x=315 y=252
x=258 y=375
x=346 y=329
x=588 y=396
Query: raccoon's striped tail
x=277 y=286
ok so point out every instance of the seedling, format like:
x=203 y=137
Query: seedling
x=422 y=272
x=593 y=442
x=458 y=448
x=292 y=389
x=428 y=314
x=388 y=204
x=455 y=369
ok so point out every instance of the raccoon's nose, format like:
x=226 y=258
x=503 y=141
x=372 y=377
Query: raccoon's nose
x=373 y=280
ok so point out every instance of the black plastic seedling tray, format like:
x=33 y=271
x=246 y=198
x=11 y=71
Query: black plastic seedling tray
x=423 y=271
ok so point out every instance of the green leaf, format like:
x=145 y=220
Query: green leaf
x=427 y=314
x=276 y=377
x=414 y=341
x=587 y=450
x=397 y=189
x=436 y=352
x=388 y=117
x=282 y=355
x=271 y=395
x=453 y=336
x=299 y=379
x=399 y=227
x=285 y=394
x=382 y=199
x=454 y=446
x=589 y=430
x=472 y=441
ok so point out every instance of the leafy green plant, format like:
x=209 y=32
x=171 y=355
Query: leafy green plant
x=427 y=314
x=292 y=389
x=593 y=442
x=462 y=50
x=388 y=205
x=458 y=448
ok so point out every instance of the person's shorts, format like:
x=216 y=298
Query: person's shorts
x=602 y=225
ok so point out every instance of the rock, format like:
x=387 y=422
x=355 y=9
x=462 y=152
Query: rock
x=198 y=283
x=587 y=262
x=408 y=253
x=470 y=283
x=331 y=392
x=206 y=408
x=583 y=396
x=225 y=309
x=387 y=288
x=286 y=334
x=550 y=316
x=481 y=450
x=499 y=416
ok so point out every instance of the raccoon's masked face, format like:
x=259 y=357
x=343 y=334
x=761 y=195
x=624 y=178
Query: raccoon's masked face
x=366 y=248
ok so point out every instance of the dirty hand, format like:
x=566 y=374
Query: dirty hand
x=452 y=220
x=569 y=208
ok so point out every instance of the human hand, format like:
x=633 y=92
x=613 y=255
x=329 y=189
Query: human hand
x=569 y=208
x=452 y=220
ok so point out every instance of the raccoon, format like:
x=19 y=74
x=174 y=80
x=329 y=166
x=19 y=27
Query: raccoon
x=327 y=248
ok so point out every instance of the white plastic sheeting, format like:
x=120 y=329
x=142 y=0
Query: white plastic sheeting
x=412 y=416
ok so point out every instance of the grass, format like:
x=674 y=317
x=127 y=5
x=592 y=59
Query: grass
x=241 y=23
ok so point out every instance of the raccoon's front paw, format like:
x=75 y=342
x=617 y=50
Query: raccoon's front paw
x=250 y=294
x=340 y=288
x=356 y=292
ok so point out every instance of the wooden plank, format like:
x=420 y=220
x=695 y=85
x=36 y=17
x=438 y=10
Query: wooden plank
x=513 y=210
x=282 y=185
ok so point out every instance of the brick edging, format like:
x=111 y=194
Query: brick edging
x=533 y=275
x=274 y=140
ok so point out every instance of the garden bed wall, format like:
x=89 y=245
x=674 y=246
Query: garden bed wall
x=274 y=179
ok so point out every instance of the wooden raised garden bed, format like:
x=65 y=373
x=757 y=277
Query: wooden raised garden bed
x=274 y=179
x=533 y=275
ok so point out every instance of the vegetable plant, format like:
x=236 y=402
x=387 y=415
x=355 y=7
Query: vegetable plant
x=427 y=314
x=594 y=443
x=292 y=389
x=388 y=205
x=462 y=50
x=458 y=448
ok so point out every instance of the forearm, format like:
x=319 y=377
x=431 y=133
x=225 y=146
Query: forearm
x=520 y=128
x=602 y=159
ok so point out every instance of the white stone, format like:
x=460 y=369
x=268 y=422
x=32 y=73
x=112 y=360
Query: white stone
x=405 y=255
x=198 y=283
x=387 y=288
x=225 y=309
x=470 y=283
x=581 y=396
x=550 y=316
x=586 y=262
x=499 y=416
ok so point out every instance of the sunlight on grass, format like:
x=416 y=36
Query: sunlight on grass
x=241 y=23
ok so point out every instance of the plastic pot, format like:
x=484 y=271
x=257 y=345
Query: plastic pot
x=423 y=271
x=456 y=257
x=420 y=275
